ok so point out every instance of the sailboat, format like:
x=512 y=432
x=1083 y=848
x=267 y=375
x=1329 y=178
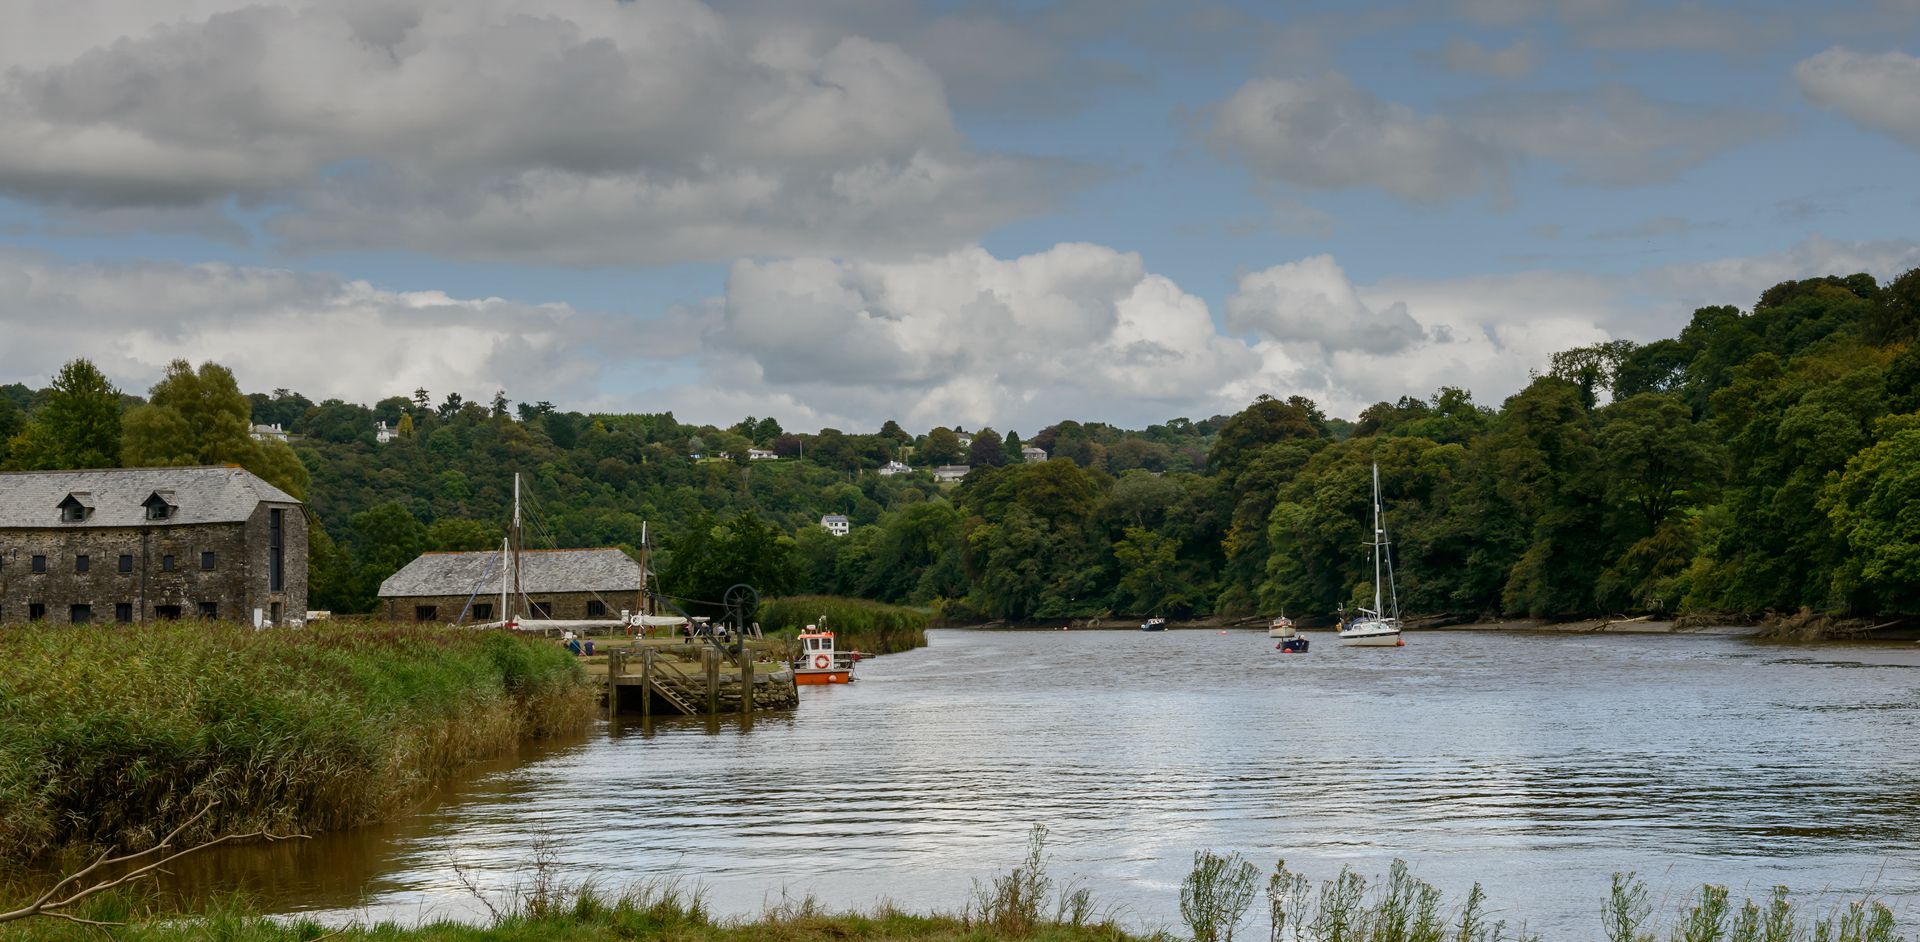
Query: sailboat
x=1375 y=628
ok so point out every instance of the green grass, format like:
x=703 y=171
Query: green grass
x=857 y=624
x=117 y=734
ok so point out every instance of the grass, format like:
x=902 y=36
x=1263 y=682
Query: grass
x=116 y=734
x=857 y=624
x=1027 y=904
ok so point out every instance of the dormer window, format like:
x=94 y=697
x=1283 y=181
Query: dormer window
x=158 y=506
x=78 y=506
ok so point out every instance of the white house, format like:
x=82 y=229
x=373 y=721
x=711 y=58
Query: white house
x=384 y=433
x=892 y=468
x=1031 y=454
x=966 y=440
x=760 y=454
x=836 y=524
x=262 y=433
x=949 y=473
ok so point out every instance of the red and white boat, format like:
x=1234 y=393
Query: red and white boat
x=819 y=663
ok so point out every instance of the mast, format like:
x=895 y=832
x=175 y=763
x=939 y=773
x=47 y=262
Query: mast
x=515 y=536
x=646 y=594
x=505 y=560
x=1379 y=537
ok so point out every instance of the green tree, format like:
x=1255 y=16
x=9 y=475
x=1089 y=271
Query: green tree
x=941 y=448
x=201 y=418
x=78 y=427
x=1875 y=509
x=455 y=534
x=1151 y=579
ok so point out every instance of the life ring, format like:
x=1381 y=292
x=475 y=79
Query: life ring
x=821 y=661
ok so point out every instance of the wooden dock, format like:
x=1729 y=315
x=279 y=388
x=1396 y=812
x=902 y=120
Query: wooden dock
x=674 y=678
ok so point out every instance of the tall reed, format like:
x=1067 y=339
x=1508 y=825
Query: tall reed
x=858 y=624
x=116 y=734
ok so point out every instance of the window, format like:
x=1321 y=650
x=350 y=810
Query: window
x=126 y=562
x=158 y=508
x=39 y=564
x=206 y=561
x=73 y=511
x=36 y=611
x=483 y=611
x=167 y=612
x=276 y=566
x=273 y=613
x=80 y=614
x=540 y=610
x=82 y=563
x=209 y=609
x=123 y=612
x=166 y=563
x=425 y=612
x=596 y=608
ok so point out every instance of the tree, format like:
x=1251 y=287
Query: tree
x=11 y=421
x=499 y=408
x=201 y=418
x=78 y=427
x=452 y=406
x=986 y=450
x=404 y=428
x=1875 y=509
x=942 y=447
x=1011 y=450
x=1656 y=458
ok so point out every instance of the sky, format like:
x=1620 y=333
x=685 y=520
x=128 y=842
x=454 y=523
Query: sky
x=838 y=212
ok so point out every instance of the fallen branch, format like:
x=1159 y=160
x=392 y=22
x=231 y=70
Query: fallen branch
x=52 y=904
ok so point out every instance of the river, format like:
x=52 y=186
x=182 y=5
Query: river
x=1536 y=764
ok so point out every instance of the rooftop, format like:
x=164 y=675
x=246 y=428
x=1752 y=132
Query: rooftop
x=541 y=571
x=118 y=496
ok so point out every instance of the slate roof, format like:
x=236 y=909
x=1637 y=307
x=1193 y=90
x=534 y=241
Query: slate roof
x=541 y=571
x=32 y=499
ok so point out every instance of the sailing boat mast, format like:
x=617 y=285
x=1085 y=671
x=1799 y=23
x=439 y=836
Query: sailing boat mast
x=1379 y=537
x=514 y=537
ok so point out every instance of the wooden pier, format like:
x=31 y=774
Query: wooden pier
x=675 y=678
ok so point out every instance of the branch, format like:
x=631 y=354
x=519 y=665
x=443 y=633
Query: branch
x=76 y=886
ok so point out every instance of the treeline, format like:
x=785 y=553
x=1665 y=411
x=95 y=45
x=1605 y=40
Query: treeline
x=1766 y=459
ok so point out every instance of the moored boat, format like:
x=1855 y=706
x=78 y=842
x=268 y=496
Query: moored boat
x=1291 y=640
x=1375 y=628
x=818 y=662
x=1154 y=624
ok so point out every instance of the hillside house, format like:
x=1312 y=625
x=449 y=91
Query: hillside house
x=837 y=524
x=950 y=473
x=892 y=468
x=384 y=433
x=267 y=433
x=464 y=588
x=135 y=544
x=1033 y=455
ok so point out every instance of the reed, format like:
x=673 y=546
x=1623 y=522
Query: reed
x=857 y=624
x=116 y=734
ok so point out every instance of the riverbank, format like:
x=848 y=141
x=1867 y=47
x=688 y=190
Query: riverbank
x=857 y=624
x=117 y=734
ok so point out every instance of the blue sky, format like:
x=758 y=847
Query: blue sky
x=842 y=211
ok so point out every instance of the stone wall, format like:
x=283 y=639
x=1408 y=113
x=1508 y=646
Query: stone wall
x=162 y=576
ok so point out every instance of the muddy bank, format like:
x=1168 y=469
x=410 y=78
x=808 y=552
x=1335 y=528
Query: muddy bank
x=1617 y=626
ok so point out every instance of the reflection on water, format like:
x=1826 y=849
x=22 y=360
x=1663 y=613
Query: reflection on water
x=1535 y=764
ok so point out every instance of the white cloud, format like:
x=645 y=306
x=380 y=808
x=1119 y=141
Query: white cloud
x=1327 y=133
x=1879 y=92
x=593 y=133
x=1076 y=331
x=1312 y=301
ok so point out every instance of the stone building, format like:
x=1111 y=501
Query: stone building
x=132 y=544
x=464 y=588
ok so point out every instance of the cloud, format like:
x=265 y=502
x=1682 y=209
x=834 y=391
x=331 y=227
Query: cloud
x=317 y=333
x=1076 y=331
x=1469 y=57
x=1637 y=25
x=1658 y=227
x=1312 y=301
x=1327 y=133
x=1879 y=92
x=594 y=133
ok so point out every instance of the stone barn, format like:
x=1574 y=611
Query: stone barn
x=464 y=588
x=132 y=544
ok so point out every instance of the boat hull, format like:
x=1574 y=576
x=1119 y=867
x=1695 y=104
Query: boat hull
x=1372 y=639
x=812 y=677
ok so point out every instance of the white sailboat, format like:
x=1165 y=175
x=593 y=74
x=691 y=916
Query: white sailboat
x=1375 y=628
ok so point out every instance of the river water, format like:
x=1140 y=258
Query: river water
x=1536 y=764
